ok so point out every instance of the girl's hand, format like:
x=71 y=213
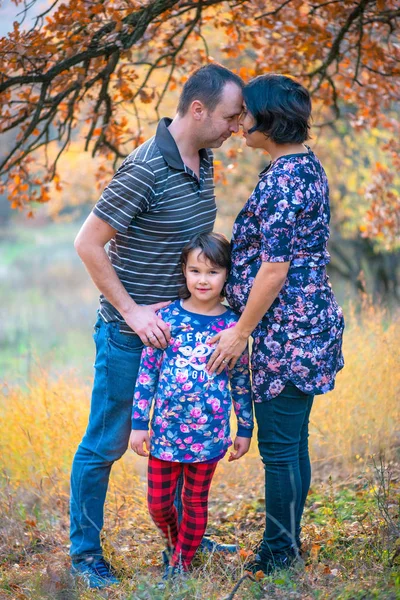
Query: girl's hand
x=137 y=439
x=241 y=446
x=230 y=345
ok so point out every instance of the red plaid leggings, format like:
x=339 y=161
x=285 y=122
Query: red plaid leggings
x=162 y=480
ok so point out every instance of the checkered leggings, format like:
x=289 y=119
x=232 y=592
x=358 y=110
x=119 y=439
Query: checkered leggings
x=162 y=481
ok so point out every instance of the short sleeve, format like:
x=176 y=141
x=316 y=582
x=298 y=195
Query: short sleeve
x=279 y=203
x=128 y=194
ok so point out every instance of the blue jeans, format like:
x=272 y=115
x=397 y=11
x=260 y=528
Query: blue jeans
x=283 y=445
x=107 y=435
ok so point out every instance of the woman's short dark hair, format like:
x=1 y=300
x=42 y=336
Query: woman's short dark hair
x=215 y=248
x=206 y=85
x=281 y=107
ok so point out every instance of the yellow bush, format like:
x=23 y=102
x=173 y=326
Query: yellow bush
x=361 y=416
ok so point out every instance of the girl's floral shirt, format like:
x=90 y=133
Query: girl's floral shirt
x=287 y=219
x=190 y=420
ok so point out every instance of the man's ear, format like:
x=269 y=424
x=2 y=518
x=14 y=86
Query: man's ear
x=197 y=109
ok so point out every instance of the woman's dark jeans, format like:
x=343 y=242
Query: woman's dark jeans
x=283 y=445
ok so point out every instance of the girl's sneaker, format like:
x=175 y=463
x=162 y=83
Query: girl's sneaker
x=172 y=574
x=96 y=574
x=209 y=545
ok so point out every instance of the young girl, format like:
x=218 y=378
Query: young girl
x=190 y=424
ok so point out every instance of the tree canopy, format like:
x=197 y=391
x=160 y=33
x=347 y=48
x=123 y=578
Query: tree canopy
x=93 y=68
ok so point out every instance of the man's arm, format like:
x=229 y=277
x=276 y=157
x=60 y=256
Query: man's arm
x=90 y=246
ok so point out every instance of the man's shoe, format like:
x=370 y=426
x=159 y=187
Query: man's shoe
x=96 y=574
x=208 y=545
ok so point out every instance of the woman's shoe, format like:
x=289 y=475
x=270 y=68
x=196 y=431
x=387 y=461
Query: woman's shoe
x=255 y=564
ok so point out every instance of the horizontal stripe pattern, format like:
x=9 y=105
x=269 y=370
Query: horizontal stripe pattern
x=156 y=205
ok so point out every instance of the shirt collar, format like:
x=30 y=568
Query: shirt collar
x=308 y=153
x=169 y=149
x=265 y=169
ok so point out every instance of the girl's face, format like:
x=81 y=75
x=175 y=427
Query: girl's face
x=204 y=280
x=255 y=139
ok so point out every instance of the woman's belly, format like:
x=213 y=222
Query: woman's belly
x=305 y=305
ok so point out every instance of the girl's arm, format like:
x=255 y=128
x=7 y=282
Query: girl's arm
x=240 y=385
x=145 y=389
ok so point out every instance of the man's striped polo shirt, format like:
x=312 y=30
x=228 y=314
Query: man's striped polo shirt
x=156 y=204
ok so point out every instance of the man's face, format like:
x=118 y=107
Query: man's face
x=224 y=119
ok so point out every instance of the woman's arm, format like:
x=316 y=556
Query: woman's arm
x=240 y=384
x=231 y=342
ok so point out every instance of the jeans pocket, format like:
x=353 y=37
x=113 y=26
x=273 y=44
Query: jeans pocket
x=124 y=341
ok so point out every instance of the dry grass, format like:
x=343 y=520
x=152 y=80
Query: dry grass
x=345 y=529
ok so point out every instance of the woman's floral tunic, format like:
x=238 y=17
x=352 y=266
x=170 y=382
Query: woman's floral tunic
x=191 y=408
x=287 y=219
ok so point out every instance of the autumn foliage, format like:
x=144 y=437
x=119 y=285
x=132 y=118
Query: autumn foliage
x=97 y=70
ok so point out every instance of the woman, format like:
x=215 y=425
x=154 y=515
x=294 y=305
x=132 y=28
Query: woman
x=278 y=282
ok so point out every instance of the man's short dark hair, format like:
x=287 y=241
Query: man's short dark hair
x=281 y=107
x=206 y=85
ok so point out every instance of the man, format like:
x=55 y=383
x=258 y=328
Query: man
x=160 y=197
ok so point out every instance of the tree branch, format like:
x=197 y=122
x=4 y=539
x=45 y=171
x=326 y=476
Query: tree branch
x=335 y=48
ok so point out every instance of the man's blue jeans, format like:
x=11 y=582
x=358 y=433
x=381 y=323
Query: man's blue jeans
x=283 y=445
x=107 y=435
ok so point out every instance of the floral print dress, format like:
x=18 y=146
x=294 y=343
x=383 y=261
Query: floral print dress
x=286 y=219
x=190 y=421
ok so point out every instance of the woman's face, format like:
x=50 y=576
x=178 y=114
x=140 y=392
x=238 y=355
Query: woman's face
x=255 y=139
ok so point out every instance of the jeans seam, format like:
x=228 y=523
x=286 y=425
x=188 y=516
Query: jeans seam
x=279 y=470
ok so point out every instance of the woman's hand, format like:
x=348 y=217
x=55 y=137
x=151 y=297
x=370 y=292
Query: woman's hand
x=230 y=345
x=137 y=439
x=241 y=446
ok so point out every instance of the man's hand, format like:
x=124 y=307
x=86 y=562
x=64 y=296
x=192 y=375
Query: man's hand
x=137 y=439
x=148 y=326
x=230 y=345
x=241 y=446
